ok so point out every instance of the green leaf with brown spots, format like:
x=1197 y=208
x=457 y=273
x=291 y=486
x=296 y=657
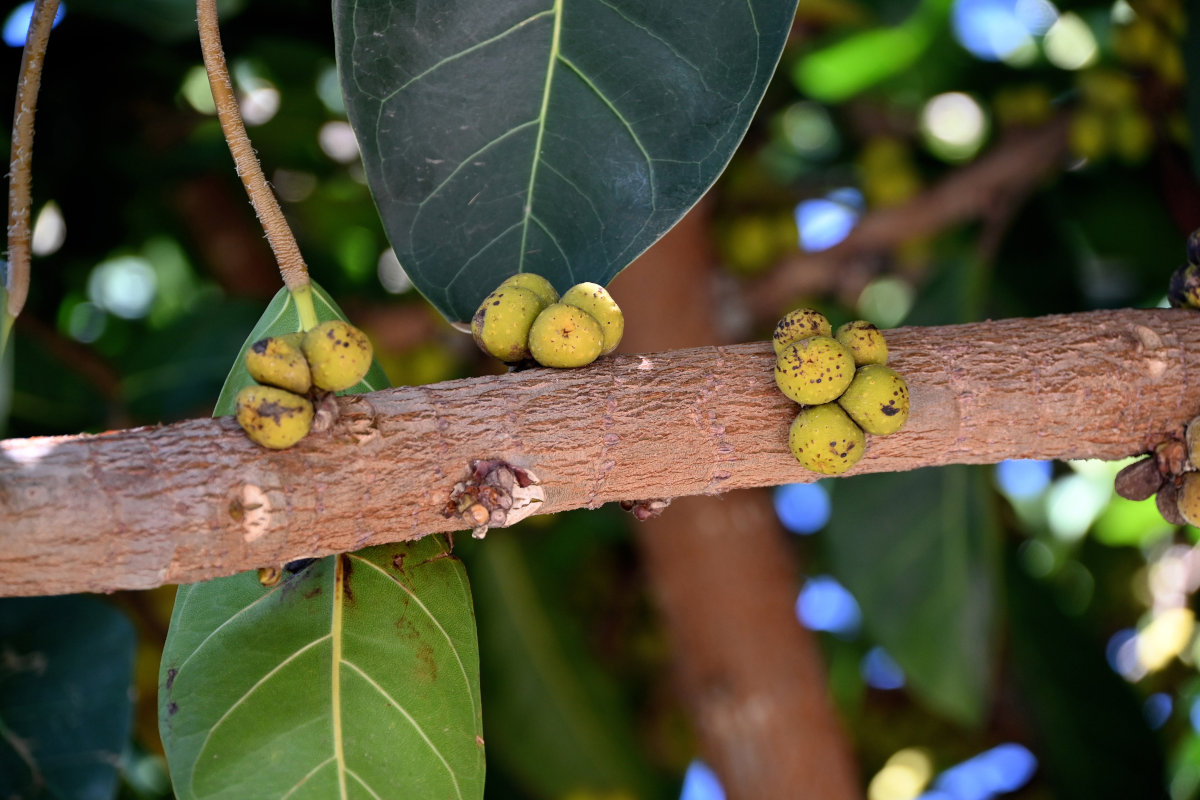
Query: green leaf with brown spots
x=355 y=677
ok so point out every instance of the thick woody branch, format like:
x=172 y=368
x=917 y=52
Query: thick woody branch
x=194 y=500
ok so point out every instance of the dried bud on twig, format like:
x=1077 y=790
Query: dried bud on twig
x=1139 y=480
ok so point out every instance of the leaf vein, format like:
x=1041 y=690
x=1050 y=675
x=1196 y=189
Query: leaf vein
x=416 y=726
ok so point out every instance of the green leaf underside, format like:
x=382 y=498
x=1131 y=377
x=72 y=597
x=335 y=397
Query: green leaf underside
x=356 y=678
x=65 y=704
x=918 y=550
x=561 y=137
x=280 y=318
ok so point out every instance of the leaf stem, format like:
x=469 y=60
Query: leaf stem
x=279 y=234
x=20 y=186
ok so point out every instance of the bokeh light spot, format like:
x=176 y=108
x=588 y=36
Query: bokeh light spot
x=824 y=222
x=1023 y=478
x=124 y=286
x=1004 y=768
x=1073 y=503
x=802 y=507
x=903 y=777
x=1070 y=44
x=85 y=322
x=885 y=301
x=1121 y=652
x=197 y=92
x=826 y=605
x=954 y=126
x=392 y=276
x=329 y=90
x=701 y=783
x=1157 y=709
x=990 y=30
x=49 y=230
x=337 y=141
x=880 y=671
x=16 y=25
x=809 y=130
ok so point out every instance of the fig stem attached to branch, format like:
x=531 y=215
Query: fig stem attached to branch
x=20 y=171
x=279 y=234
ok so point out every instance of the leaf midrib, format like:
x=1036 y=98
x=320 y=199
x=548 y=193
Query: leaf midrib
x=335 y=633
x=527 y=215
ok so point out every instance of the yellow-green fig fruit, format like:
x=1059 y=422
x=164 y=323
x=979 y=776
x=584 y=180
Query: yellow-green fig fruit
x=565 y=336
x=279 y=361
x=1183 y=290
x=532 y=282
x=501 y=325
x=799 y=324
x=338 y=354
x=595 y=300
x=823 y=439
x=814 y=370
x=273 y=417
x=1191 y=438
x=877 y=399
x=1188 y=499
x=864 y=341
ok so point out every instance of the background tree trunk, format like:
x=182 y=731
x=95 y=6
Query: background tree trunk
x=750 y=674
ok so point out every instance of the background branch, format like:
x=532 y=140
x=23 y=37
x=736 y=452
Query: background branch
x=1011 y=169
x=193 y=500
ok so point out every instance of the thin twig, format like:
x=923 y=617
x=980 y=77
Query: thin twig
x=279 y=234
x=20 y=182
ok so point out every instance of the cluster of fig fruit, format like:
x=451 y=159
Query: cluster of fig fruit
x=1170 y=475
x=525 y=318
x=1184 y=289
x=294 y=370
x=844 y=385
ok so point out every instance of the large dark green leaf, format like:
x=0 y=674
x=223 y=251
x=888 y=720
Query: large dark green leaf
x=357 y=677
x=282 y=317
x=561 y=138
x=1092 y=735
x=919 y=552
x=65 y=709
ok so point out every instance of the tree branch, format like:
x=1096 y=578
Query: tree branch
x=194 y=500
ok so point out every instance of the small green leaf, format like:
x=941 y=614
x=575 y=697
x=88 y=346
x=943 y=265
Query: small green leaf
x=356 y=677
x=282 y=317
x=918 y=550
x=65 y=709
x=561 y=138
x=848 y=67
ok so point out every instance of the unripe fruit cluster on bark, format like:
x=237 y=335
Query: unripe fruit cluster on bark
x=525 y=318
x=291 y=371
x=843 y=383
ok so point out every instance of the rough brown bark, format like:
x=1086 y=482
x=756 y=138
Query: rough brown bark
x=193 y=500
x=725 y=582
